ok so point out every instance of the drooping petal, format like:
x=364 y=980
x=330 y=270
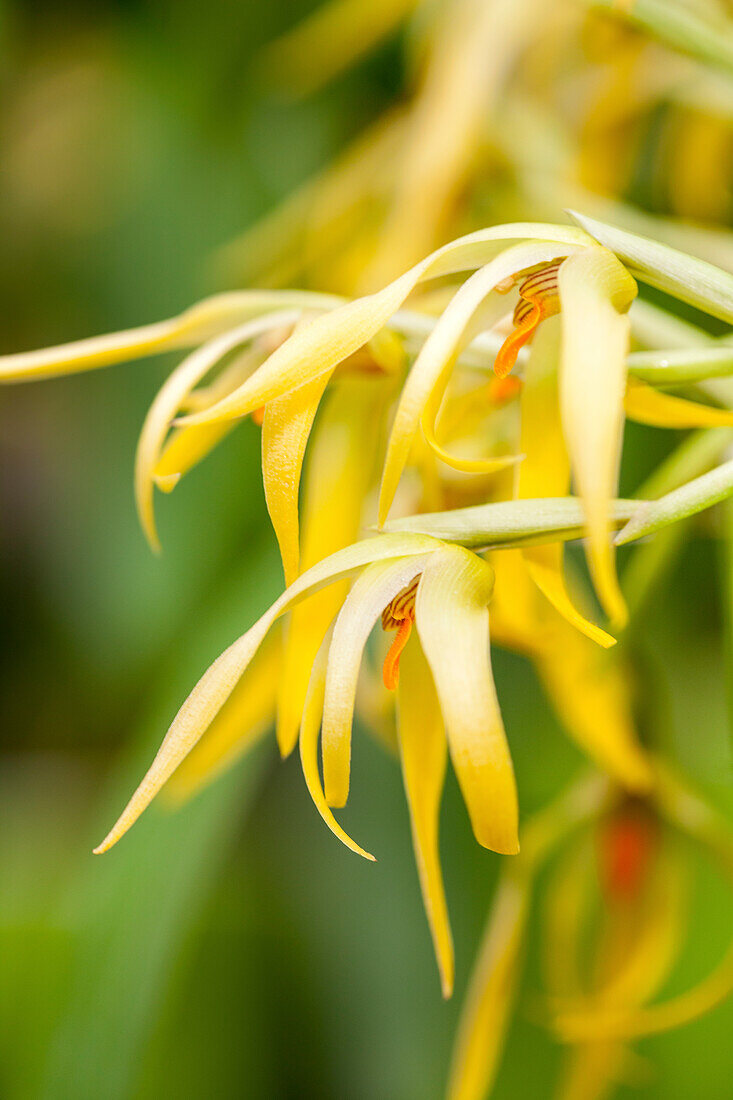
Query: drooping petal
x=545 y=565
x=428 y=423
x=220 y=679
x=545 y=471
x=594 y=288
x=332 y=337
x=423 y=754
x=309 y=730
x=186 y=447
x=200 y=323
x=483 y=1024
x=371 y=592
x=167 y=402
x=339 y=469
x=590 y=693
x=285 y=432
x=441 y=349
x=452 y=619
x=664 y=410
x=245 y=717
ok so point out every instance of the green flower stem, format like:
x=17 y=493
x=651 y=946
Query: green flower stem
x=693 y=497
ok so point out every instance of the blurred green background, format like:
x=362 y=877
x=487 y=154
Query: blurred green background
x=231 y=949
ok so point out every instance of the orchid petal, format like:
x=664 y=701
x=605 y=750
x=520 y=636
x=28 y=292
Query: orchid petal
x=441 y=349
x=452 y=620
x=285 y=432
x=186 y=447
x=218 y=682
x=423 y=754
x=663 y=410
x=309 y=730
x=545 y=471
x=591 y=696
x=340 y=465
x=196 y=325
x=167 y=402
x=595 y=336
x=371 y=593
x=456 y=462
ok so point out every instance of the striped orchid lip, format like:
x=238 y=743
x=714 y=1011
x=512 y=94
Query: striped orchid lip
x=398 y=615
x=539 y=298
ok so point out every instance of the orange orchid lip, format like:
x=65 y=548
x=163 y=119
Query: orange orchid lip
x=538 y=299
x=399 y=615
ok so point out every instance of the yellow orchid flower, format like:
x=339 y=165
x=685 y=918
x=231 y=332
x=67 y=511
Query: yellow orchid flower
x=556 y=269
x=620 y=867
x=404 y=579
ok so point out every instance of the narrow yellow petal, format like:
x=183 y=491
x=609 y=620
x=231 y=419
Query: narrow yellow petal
x=491 y=994
x=285 y=432
x=545 y=471
x=545 y=565
x=453 y=623
x=594 y=287
x=423 y=754
x=245 y=717
x=166 y=404
x=220 y=679
x=456 y=462
x=438 y=355
x=312 y=711
x=339 y=469
x=200 y=323
x=186 y=447
x=591 y=696
x=371 y=593
x=664 y=410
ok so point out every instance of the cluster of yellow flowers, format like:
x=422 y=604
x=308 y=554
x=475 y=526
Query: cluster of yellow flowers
x=482 y=382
